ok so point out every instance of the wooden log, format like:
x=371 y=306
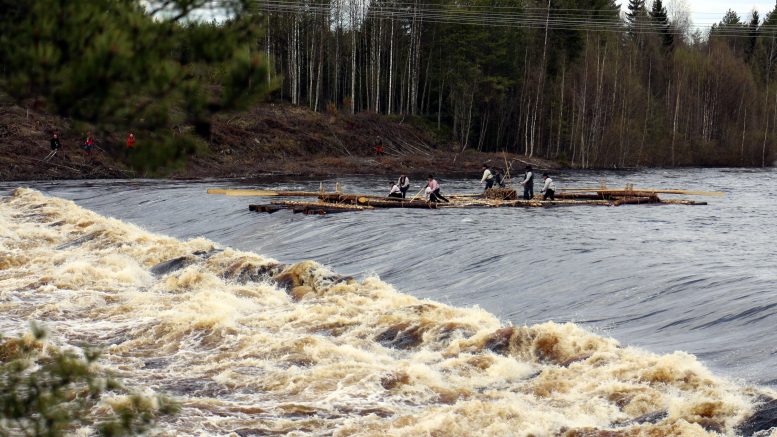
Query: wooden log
x=263 y=193
x=501 y=194
x=264 y=208
x=379 y=203
x=320 y=205
x=636 y=200
x=538 y=203
x=349 y=198
x=644 y=190
x=682 y=202
x=580 y=196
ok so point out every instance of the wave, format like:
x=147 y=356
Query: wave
x=252 y=346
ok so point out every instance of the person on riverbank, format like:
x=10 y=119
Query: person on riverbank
x=549 y=188
x=433 y=188
x=404 y=185
x=55 y=146
x=488 y=177
x=88 y=143
x=395 y=192
x=130 y=141
x=528 y=184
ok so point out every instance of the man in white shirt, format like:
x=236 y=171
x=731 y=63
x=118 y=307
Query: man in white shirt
x=404 y=184
x=395 y=191
x=528 y=184
x=549 y=189
x=488 y=177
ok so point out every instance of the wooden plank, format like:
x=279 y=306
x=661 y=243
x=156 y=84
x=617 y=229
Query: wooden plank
x=262 y=193
x=319 y=205
x=636 y=200
x=682 y=202
x=379 y=203
x=643 y=190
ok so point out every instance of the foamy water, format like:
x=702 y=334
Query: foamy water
x=255 y=347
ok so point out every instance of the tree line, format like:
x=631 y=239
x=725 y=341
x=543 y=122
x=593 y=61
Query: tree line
x=578 y=81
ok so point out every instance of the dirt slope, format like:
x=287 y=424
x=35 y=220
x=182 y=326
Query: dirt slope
x=270 y=139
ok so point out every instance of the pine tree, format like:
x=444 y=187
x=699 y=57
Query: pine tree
x=755 y=21
x=120 y=64
x=659 y=16
x=636 y=9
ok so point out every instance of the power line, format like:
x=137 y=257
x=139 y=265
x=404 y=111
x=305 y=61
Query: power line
x=552 y=19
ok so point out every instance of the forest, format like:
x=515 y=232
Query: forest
x=579 y=81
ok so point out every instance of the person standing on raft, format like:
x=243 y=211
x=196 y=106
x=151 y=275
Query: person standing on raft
x=434 y=190
x=549 y=189
x=498 y=178
x=404 y=185
x=395 y=192
x=528 y=184
x=488 y=177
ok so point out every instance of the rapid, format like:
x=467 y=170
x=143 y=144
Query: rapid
x=640 y=320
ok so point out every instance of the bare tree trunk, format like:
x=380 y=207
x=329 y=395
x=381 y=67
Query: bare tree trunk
x=439 y=102
x=561 y=110
x=583 y=143
x=353 y=58
x=391 y=70
x=766 y=102
x=674 y=123
x=647 y=115
x=540 y=82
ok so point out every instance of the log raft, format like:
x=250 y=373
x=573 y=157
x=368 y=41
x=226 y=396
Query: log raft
x=337 y=202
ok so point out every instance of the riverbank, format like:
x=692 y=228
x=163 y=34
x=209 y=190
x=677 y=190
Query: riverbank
x=270 y=139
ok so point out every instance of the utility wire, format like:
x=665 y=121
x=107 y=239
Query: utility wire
x=556 y=19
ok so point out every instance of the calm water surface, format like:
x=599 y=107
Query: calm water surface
x=699 y=279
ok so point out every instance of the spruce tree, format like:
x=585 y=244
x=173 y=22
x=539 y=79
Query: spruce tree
x=636 y=9
x=659 y=16
x=755 y=21
x=121 y=65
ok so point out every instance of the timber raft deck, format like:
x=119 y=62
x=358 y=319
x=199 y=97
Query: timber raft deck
x=337 y=202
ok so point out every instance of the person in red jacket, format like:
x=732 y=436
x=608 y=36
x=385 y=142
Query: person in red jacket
x=131 y=141
x=88 y=143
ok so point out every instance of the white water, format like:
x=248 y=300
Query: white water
x=328 y=356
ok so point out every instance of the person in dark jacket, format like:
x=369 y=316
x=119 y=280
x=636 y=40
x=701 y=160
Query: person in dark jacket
x=498 y=178
x=55 y=146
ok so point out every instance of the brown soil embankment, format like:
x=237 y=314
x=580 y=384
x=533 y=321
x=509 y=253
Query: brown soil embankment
x=270 y=139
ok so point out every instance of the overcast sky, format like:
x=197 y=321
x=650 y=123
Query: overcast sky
x=708 y=12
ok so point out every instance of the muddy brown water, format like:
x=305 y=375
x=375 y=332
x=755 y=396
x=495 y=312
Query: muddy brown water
x=661 y=278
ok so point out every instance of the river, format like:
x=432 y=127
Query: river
x=662 y=278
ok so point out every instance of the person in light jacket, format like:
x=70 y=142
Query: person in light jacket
x=528 y=184
x=404 y=185
x=395 y=191
x=488 y=177
x=549 y=189
x=434 y=190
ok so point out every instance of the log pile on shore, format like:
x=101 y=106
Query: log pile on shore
x=336 y=202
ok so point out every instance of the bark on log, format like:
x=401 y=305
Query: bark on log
x=636 y=200
x=381 y=203
x=264 y=208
